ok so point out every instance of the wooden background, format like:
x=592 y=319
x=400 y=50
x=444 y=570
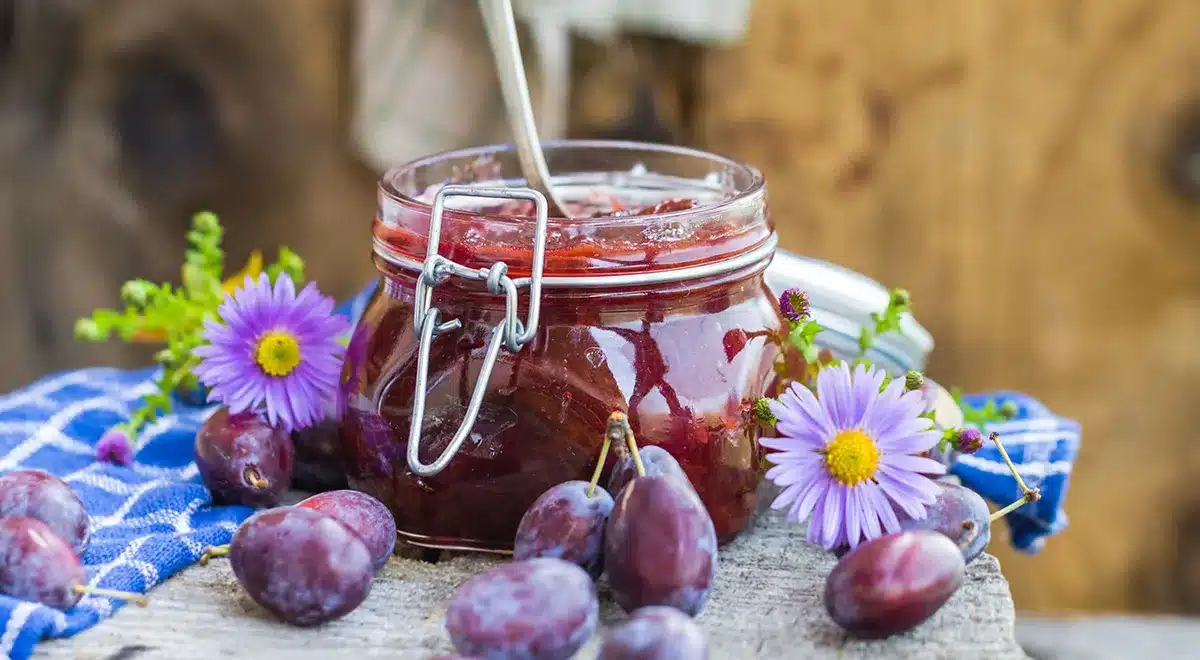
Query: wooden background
x=1021 y=166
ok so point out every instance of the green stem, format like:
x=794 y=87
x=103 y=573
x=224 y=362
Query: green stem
x=111 y=593
x=170 y=379
x=1032 y=495
x=995 y=437
x=599 y=466
x=213 y=551
x=1027 y=494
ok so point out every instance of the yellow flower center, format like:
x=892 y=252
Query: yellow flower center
x=852 y=457
x=277 y=353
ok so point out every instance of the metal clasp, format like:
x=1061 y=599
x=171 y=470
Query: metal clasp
x=512 y=333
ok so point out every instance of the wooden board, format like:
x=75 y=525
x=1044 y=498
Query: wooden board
x=767 y=604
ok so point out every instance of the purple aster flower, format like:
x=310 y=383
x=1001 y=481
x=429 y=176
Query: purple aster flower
x=793 y=304
x=846 y=459
x=276 y=351
x=115 y=447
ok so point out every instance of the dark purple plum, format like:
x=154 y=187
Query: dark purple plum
x=45 y=497
x=959 y=513
x=364 y=515
x=657 y=462
x=319 y=461
x=36 y=564
x=300 y=564
x=893 y=583
x=536 y=609
x=656 y=633
x=566 y=523
x=243 y=459
x=660 y=547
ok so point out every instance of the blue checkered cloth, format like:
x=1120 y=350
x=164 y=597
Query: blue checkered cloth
x=1043 y=447
x=148 y=520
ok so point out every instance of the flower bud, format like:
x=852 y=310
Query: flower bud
x=762 y=410
x=1009 y=409
x=115 y=447
x=900 y=299
x=88 y=330
x=794 y=305
x=914 y=380
x=206 y=221
x=135 y=292
x=969 y=441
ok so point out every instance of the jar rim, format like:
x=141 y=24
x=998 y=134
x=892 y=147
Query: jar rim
x=728 y=217
x=388 y=187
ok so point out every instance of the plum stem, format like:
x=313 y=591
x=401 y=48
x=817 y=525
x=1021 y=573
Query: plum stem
x=971 y=530
x=111 y=593
x=995 y=437
x=214 y=551
x=619 y=420
x=254 y=478
x=1027 y=494
x=600 y=462
x=1031 y=495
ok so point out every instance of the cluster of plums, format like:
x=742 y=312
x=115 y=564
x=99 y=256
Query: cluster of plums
x=655 y=542
x=43 y=532
x=309 y=563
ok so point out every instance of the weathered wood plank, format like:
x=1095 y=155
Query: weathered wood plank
x=767 y=604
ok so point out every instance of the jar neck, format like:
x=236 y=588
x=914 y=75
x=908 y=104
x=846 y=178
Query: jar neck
x=635 y=209
x=400 y=283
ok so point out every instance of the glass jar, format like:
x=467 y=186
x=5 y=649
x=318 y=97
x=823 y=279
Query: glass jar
x=651 y=302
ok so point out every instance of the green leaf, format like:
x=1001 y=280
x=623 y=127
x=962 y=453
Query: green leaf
x=288 y=262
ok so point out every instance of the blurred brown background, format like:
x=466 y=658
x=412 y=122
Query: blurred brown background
x=1030 y=170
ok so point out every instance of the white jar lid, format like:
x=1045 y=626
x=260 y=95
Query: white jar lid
x=842 y=301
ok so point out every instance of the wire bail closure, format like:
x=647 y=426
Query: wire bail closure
x=511 y=333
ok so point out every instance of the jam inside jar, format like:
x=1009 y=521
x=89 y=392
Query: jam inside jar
x=652 y=303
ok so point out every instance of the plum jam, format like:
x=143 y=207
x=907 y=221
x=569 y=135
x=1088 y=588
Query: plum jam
x=652 y=303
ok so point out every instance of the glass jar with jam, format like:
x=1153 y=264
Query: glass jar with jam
x=485 y=366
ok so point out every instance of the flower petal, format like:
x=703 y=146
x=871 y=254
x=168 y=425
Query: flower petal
x=868 y=492
x=918 y=464
x=854 y=516
x=833 y=389
x=883 y=511
x=786 y=475
x=865 y=390
x=807 y=501
x=835 y=505
x=816 y=522
x=788 y=496
x=909 y=438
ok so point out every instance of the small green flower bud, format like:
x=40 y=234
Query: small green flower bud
x=762 y=410
x=1009 y=409
x=914 y=380
x=206 y=221
x=900 y=299
x=135 y=292
x=88 y=330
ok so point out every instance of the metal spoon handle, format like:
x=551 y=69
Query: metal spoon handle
x=502 y=34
